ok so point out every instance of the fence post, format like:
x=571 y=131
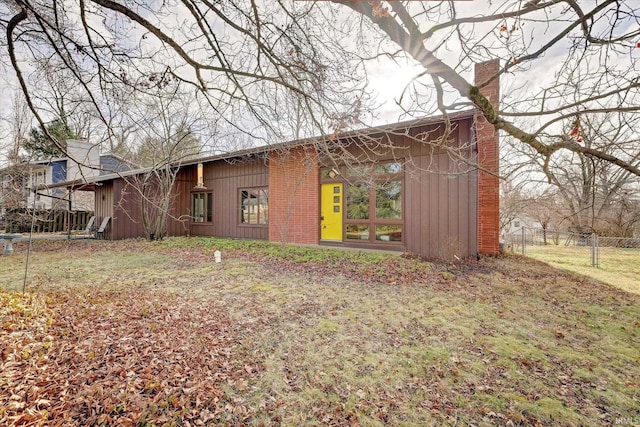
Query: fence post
x=523 y=240
x=594 y=250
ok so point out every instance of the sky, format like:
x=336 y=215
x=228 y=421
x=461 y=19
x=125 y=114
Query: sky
x=387 y=79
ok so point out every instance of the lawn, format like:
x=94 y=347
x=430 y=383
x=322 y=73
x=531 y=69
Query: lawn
x=618 y=267
x=156 y=333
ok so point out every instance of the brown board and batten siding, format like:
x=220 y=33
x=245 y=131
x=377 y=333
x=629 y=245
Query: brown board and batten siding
x=120 y=200
x=126 y=221
x=179 y=214
x=104 y=198
x=440 y=202
x=441 y=195
x=225 y=179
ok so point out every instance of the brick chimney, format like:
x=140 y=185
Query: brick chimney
x=488 y=158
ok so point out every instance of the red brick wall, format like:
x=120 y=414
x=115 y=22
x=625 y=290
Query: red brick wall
x=488 y=158
x=294 y=196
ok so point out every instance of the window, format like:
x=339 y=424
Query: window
x=254 y=206
x=389 y=200
x=374 y=203
x=389 y=233
x=38 y=178
x=360 y=171
x=202 y=207
x=389 y=168
x=358 y=201
x=357 y=232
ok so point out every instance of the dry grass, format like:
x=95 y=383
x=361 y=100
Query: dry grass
x=506 y=341
x=618 y=267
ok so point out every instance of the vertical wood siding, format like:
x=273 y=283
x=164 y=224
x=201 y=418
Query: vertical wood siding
x=225 y=179
x=104 y=207
x=179 y=221
x=441 y=200
x=440 y=217
x=120 y=200
x=127 y=218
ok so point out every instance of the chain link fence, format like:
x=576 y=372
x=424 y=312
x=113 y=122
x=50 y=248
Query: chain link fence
x=587 y=246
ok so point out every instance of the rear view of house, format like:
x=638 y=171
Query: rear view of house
x=412 y=186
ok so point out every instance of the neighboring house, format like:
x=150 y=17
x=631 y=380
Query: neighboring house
x=294 y=193
x=84 y=163
x=513 y=230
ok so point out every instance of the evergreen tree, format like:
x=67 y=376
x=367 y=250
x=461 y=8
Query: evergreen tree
x=39 y=146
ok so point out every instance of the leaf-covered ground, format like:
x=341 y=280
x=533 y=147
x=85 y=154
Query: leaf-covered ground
x=139 y=333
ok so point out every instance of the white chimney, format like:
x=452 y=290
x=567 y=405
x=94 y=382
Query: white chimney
x=84 y=158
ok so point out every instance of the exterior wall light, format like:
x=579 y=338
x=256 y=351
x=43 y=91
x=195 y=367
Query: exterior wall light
x=200 y=182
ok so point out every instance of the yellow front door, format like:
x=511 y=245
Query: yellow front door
x=331 y=212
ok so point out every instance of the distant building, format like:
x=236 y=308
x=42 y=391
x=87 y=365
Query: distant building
x=512 y=231
x=84 y=162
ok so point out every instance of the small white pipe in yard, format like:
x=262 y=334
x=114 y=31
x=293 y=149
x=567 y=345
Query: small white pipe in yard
x=524 y=240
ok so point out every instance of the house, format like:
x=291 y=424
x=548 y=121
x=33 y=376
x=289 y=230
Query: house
x=381 y=187
x=514 y=229
x=84 y=163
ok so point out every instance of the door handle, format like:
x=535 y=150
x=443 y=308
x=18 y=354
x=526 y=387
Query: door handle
x=322 y=218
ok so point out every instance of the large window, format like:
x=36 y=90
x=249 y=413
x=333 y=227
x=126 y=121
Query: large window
x=254 y=206
x=358 y=201
x=374 y=203
x=202 y=206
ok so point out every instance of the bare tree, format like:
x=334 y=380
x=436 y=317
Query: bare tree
x=589 y=76
x=592 y=193
x=578 y=192
x=563 y=60
x=14 y=174
x=622 y=219
x=241 y=58
x=546 y=210
x=19 y=123
x=167 y=129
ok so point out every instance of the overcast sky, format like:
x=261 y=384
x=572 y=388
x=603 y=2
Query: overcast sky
x=387 y=79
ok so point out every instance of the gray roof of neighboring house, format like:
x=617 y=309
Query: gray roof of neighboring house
x=111 y=163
